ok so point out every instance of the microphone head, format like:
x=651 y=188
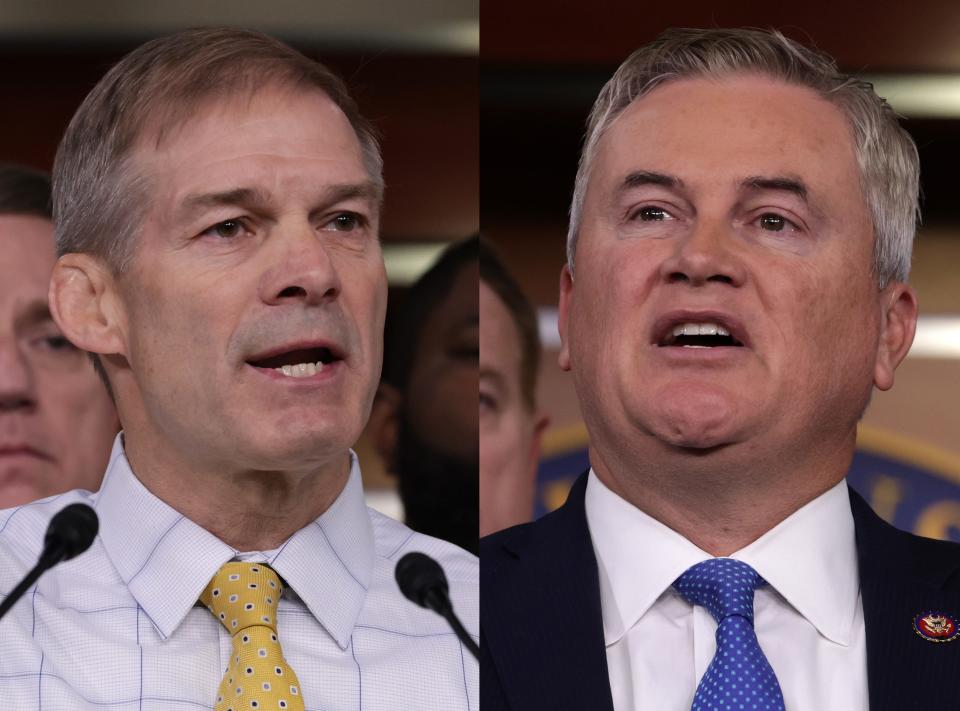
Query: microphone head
x=71 y=531
x=418 y=575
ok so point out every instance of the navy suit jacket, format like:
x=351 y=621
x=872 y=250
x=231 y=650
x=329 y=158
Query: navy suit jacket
x=542 y=633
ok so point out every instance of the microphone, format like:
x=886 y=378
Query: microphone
x=70 y=532
x=422 y=581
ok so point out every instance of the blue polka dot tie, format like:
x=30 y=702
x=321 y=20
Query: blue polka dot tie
x=739 y=677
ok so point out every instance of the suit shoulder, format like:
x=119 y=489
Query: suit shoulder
x=932 y=557
x=508 y=541
x=892 y=551
x=561 y=527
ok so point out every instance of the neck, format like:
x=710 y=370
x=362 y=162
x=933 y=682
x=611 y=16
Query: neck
x=248 y=509
x=713 y=499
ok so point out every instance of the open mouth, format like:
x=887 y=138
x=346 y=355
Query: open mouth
x=299 y=363
x=698 y=335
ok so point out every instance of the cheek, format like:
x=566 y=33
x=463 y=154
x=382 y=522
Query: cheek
x=589 y=330
x=606 y=329
x=826 y=324
x=364 y=290
x=504 y=444
x=172 y=326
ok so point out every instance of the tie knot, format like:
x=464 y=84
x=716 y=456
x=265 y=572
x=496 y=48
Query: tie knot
x=243 y=595
x=723 y=586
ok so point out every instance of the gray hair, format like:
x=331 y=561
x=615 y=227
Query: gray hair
x=98 y=198
x=886 y=155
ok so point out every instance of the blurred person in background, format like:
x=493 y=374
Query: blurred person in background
x=511 y=427
x=57 y=421
x=424 y=420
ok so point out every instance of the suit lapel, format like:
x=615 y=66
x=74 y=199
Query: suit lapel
x=902 y=576
x=541 y=618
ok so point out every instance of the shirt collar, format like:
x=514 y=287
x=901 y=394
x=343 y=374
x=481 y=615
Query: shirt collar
x=166 y=560
x=638 y=557
x=329 y=563
x=810 y=559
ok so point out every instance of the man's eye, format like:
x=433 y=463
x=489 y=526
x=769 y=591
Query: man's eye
x=772 y=222
x=346 y=222
x=228 y=229
x=652 y=214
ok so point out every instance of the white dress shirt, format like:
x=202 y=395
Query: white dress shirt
x=809 y=619
x=119 y=627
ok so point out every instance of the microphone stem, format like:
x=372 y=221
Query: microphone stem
x=446 y=611
x=48 y=559
x=21 y=588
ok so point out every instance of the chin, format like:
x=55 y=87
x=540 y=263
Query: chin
x=698 y=443
x=704 y=421
x=296 y=449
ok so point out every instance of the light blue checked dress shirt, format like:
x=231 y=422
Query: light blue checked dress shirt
x=120 y=628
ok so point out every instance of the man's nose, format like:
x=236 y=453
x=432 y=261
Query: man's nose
x=17 y=386
x=708 y=253
x=302 y=269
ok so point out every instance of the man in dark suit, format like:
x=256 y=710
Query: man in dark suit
x=739 y=246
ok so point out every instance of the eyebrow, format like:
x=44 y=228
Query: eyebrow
x=258 y=199
x=648 y=177
x=794 y=186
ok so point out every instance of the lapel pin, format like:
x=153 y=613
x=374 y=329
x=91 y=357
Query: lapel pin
x=936 y=627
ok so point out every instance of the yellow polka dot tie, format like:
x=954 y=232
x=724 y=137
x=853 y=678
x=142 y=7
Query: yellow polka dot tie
x=244 y=596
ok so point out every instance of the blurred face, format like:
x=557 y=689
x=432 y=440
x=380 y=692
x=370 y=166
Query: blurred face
x=723 y=295
x=56 y=419
x=509 y=429
x=253 y=314
x=443 y=379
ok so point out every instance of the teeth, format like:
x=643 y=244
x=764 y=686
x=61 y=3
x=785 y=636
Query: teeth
x=700 y=329
x=300 y=370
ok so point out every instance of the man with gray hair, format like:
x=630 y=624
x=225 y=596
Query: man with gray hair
x=217 y=203
x=739 y=246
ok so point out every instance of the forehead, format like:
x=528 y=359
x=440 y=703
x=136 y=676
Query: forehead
x=727 y=129
x=284 y=138
x=26 y=256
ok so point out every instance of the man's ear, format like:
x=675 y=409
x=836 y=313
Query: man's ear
x=566 y=298
x=84 y=304
x=896 y=333
x=384 y=424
